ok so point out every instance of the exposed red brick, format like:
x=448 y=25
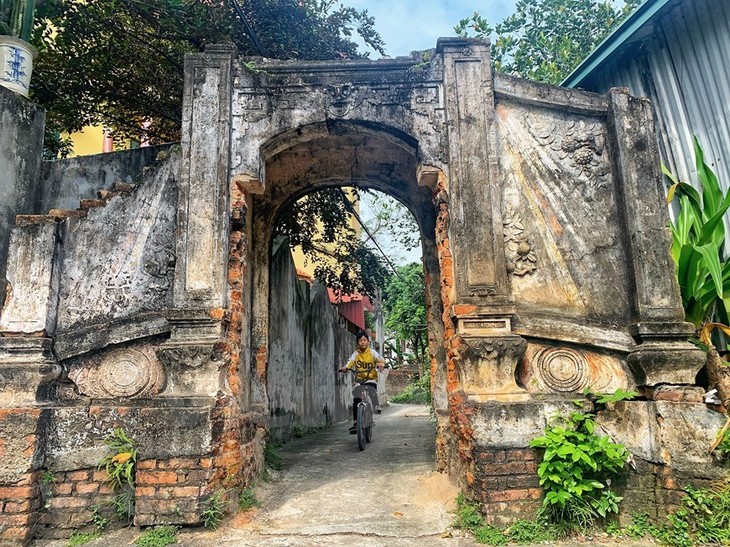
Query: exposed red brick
x=17 y=507
x=14 y=534
x=146 y=464
x=87 y=488
x=68 y=502
x=78 y=476
x=63 y=489
x=463 y=309
x=156 y=477
x=17 y=492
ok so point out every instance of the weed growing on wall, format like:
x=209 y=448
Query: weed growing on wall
x=214 y=510
x=247 y=499
x=576 y=472
x=703 y=519
x=468 y=517
x=120 y=466
x=82 y=538
x=272 y=455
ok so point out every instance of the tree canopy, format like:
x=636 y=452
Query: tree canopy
x=119 y=63
x=318 y=225
x=404 y=302
x=545 y=40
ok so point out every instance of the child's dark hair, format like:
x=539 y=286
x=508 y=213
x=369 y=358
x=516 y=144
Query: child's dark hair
x=360 y=334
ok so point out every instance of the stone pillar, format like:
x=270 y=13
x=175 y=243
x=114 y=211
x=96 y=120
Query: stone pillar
x=21 y=147
x=483 y=309
x=202 y=230
x=27 y=367
x=663 y=356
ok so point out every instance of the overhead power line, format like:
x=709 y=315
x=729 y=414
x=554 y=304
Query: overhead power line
x=247 y=27
x=354 y=213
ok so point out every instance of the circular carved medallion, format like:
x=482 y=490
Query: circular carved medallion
x=562 y=369
x=125 y=372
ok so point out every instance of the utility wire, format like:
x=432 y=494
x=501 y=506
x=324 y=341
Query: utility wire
x=247 y=27
x=354 y=213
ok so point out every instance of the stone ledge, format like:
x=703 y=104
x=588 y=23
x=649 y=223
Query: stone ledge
x=83 y=340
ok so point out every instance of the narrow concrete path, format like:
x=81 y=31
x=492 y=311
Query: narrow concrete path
x=330 y=493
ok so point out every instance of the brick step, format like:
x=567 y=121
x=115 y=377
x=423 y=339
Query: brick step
x=56 y=215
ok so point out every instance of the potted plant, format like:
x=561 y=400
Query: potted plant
x=16 y=54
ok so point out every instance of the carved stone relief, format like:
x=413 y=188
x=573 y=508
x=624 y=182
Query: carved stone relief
x=133 y=258
x=185 y=356
x=581 y=143
x=123 y=372
x=560 y=369
x=338 y=100
x=488 y=367
x=520 y=253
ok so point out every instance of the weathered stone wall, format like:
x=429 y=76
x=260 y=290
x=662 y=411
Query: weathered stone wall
x=21 y=146
x=64 y=183
x=305 y=350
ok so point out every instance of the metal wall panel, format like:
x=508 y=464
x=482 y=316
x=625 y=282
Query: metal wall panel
x=684 y=68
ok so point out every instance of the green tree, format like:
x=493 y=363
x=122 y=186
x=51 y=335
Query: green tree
x=319 y=225
x=404 y=302
x=120 y=62
x=545 y=40
x=391 y=223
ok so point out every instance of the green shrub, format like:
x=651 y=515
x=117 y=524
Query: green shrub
x=489 y=535
x=82 y=538
x=247 y=499
x=119 y=464
x=417 y=392
x=272 y=455
x=468 y=516
x=576 y=470
x=214 y=510
x=698 y=236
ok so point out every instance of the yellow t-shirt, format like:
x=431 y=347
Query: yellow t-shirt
x=365 y=365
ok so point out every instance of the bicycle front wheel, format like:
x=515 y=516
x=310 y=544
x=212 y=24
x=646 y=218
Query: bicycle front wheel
x=361 y=440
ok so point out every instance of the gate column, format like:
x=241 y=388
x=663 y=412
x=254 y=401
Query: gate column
x=483 y=307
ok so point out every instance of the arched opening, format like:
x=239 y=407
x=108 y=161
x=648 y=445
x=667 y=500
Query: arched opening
x=360 y=156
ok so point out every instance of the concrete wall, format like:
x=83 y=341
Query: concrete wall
x=21 y=144
x=65 y=182
x=306 y=346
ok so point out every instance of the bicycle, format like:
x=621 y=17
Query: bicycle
x=364 y=414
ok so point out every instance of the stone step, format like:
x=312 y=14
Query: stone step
x=123 y=187
x=91 y=203
x=60 y=214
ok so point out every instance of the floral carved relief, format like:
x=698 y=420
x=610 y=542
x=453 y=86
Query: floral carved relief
x=123 y=372
x=519 y=252
x=581 y=144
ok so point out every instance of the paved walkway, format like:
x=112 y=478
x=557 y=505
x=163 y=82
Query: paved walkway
x=331 y=494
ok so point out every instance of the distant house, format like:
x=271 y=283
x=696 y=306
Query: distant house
x=677 y=53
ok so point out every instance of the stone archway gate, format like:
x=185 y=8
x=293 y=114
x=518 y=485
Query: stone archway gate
x=548 y=272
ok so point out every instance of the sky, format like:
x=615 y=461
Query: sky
x=415 y=25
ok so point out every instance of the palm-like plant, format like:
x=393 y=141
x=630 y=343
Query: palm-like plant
x=698 y=238
x=16 y=18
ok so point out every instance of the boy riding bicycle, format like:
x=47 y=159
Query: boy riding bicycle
x=365 y=362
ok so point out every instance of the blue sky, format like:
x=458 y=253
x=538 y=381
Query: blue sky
x=414 y=25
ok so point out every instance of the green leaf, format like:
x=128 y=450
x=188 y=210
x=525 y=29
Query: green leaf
x=711 y=256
